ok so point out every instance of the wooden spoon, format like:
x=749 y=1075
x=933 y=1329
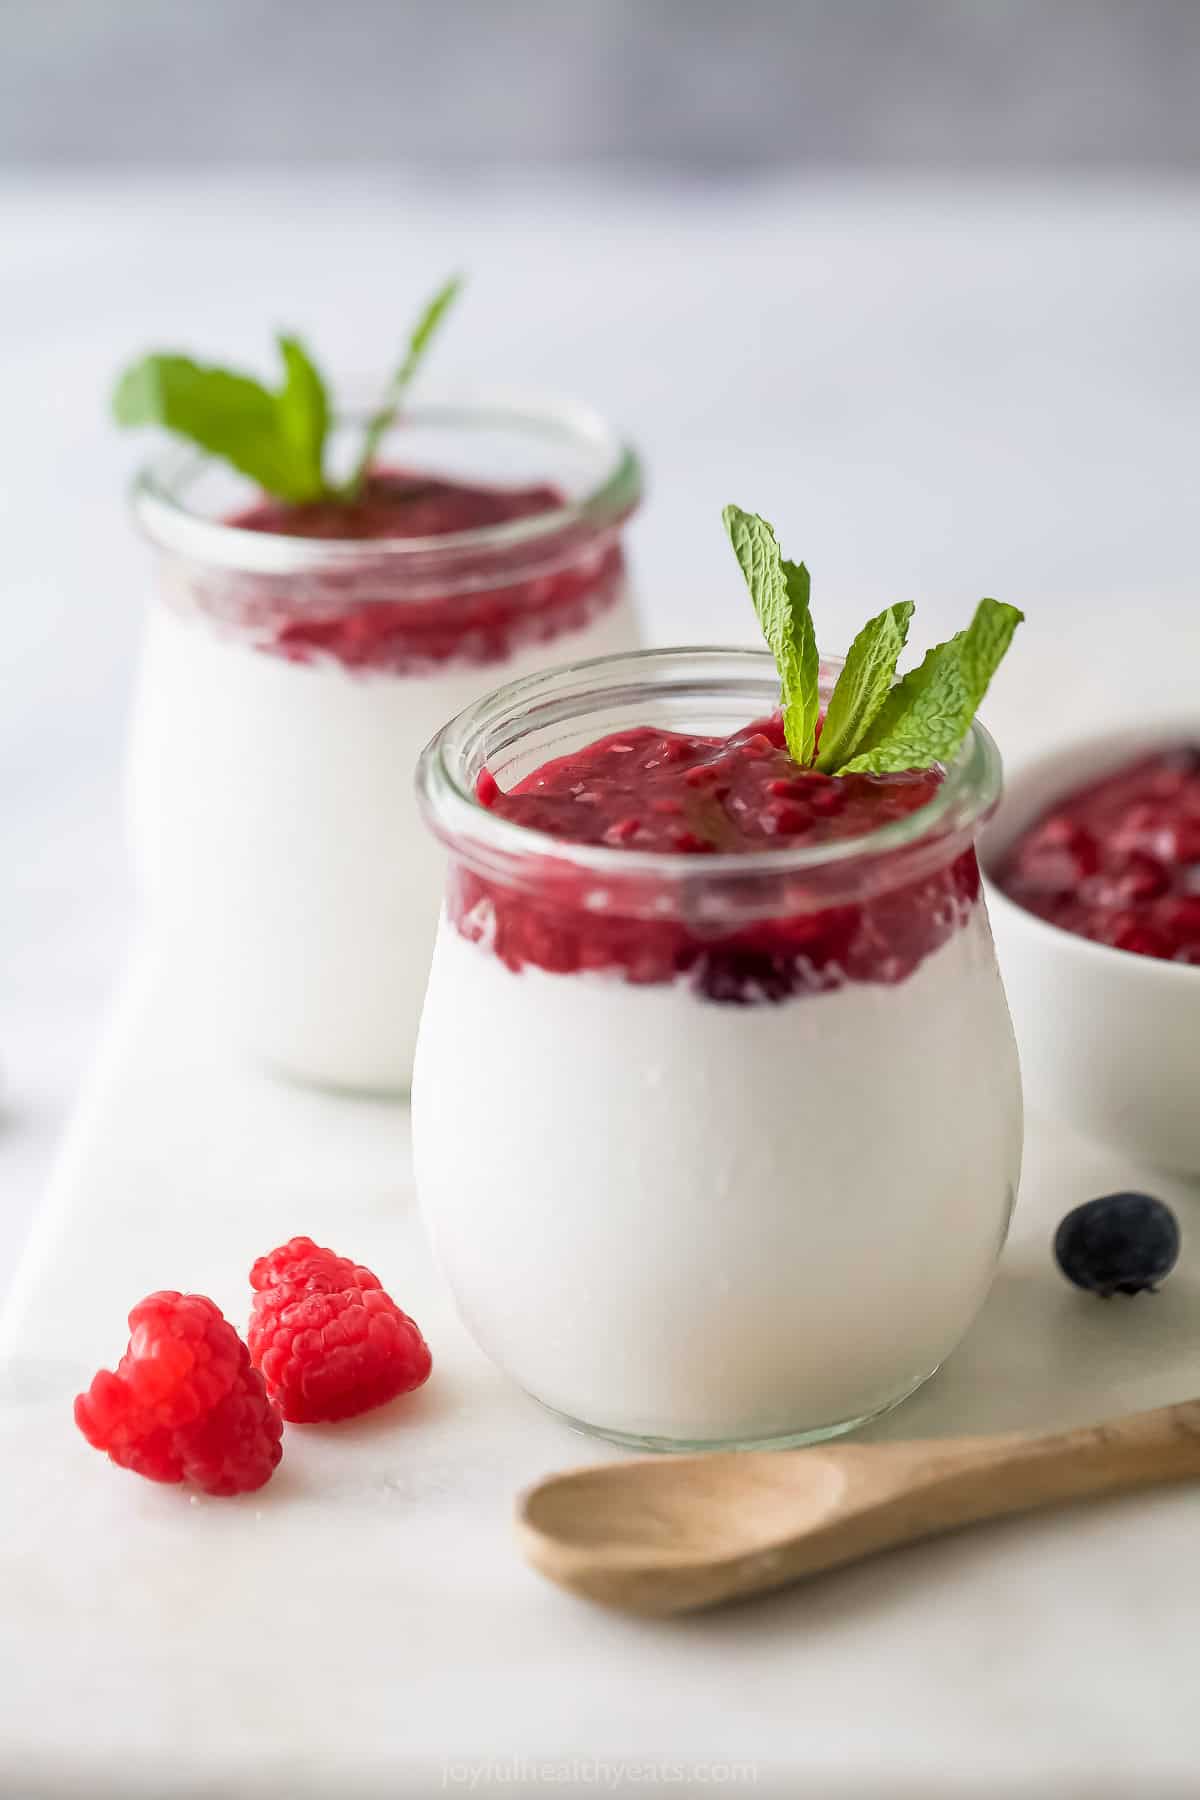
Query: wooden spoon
x=671 y=1534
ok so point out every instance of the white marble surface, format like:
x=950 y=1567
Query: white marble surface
x=363 y=1626
x=935 y=390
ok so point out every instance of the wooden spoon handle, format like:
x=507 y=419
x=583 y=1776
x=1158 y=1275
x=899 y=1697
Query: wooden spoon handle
x=969 y=1480
x=898 y=1494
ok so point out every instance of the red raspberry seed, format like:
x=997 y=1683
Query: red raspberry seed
x=787 y=819
x=826 y=801
x=487 y=789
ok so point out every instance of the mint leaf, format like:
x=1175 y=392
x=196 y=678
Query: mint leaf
x=928 y=714
x=384 y=417
x=863 y=685
x=275 y=439
x=807 y=695
x=303 y=410
x=780 y=592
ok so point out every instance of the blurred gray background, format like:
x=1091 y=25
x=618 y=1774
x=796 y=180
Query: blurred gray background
x=705 y=85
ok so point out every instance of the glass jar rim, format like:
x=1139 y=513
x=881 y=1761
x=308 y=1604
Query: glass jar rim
x=492 y=843
x=169 y=523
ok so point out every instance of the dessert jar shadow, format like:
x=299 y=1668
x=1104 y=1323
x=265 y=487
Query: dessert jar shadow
x=713 y=1150
x=288 y=684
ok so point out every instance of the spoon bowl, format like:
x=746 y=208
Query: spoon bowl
x=685 y=1507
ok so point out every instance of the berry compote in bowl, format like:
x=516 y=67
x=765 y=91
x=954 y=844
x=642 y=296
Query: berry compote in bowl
x=716 y=1111
x=1093 y=866
x=297 y=659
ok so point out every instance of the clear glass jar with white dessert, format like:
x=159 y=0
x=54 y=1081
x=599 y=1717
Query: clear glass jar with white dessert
x=714 y=1149
x=292 y=674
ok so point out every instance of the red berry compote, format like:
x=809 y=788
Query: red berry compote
x=716 y=1110
x=1118 y=861
x=297 y=659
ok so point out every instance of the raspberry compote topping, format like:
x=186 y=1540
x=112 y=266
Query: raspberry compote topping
x=1119 y=861
x=685 y=796
x=396 y=503
x=359 y=615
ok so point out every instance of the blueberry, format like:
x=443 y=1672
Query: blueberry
x=1118 y=1244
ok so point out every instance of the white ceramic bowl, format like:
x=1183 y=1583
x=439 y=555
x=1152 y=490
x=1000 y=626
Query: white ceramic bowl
x=1109 y=1040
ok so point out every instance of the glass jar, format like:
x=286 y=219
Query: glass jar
x=713 y=1150
x=287 y=688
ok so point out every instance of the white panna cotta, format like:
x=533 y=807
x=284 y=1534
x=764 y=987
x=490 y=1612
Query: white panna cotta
x=698 y=1171
x=277 y=842
x=673 y=1219
x=296 y=662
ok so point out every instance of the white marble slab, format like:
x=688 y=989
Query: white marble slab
x=935 y=391
x=362 y=1628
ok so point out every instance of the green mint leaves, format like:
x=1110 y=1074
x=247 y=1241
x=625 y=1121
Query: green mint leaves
x=303 y=413
x=382 y=419
x=928 y=714
x=863 y=685
x=779 y=590
x=276 y=437
x=871 y=726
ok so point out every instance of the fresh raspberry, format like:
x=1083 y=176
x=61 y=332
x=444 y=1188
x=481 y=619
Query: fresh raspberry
x=329 y=1341
x=185 y=1403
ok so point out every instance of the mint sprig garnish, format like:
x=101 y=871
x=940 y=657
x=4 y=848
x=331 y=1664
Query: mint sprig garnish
x=928 y=714
x=863 y=685
x=871 y=726
x=276 y=436
x=780 y=592
x=384 y=417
